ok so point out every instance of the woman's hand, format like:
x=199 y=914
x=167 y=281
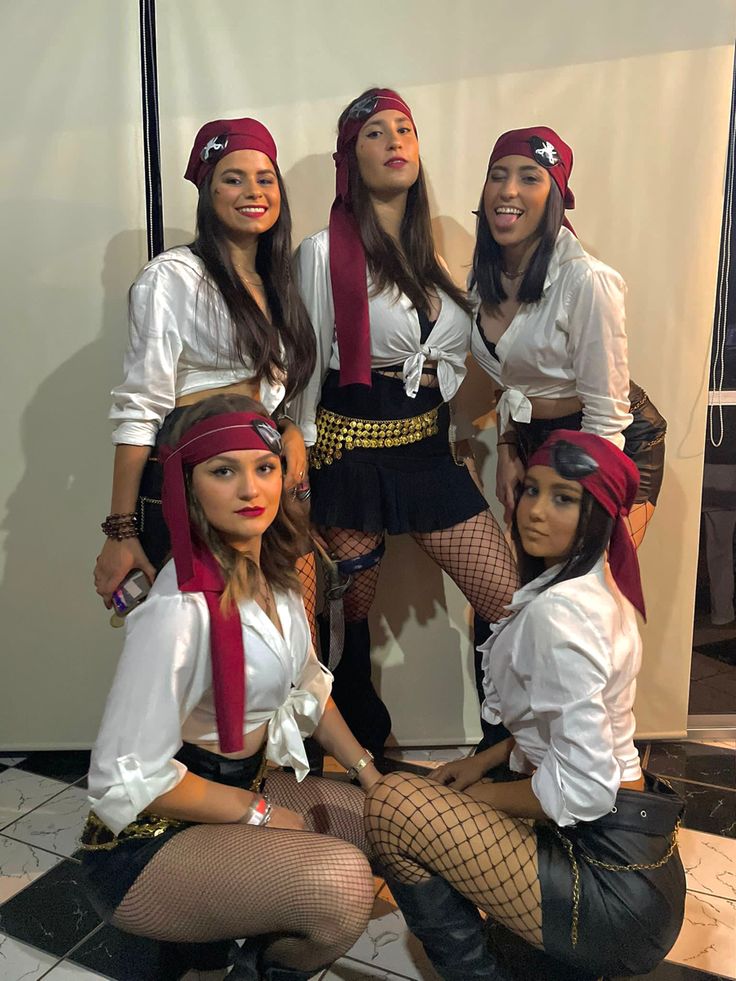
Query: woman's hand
x=509 y=474
x=368 y=776
x=282 y=817
x=114 y=563
x=460 y=773
x=295 y=454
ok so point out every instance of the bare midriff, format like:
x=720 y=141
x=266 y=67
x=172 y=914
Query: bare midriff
x=249 y=387
x=428 y=379
x=554 y=408
x=252 y=742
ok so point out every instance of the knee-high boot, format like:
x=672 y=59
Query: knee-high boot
x=353 y=691
x=450 y=929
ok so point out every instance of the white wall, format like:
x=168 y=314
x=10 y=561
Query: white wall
x=641 y=91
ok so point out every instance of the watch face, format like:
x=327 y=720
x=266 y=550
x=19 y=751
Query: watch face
x=214 y=146
x=544 y=152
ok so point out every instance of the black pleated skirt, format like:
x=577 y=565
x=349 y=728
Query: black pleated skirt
x=398 y=489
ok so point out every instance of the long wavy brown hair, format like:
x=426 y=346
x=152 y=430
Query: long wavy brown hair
x=414 y=266
x=282 y=542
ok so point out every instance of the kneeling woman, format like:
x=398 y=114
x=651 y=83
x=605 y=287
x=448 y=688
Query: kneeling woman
x=217 y=677
x=578 y=855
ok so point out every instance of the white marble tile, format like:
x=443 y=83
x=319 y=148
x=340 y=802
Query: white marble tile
x=20 y=864
x=387 y=946
x=11 y=760
x=55 y=825
x=20 y=792
x=707 y=940
x=720 y=743
x=710 y=863
x=18 y=960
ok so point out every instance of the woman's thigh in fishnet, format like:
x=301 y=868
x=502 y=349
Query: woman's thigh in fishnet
x=329 y=807
x=638 y=520
x=415 y=827
x=476 y=556
x=306 y=569
x=350 y=543
x=225 y=881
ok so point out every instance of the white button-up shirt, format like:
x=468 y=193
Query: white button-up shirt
x=395 y=334
x=162 y=695
x=180 y=341
x=560 y=673
x=572 y=342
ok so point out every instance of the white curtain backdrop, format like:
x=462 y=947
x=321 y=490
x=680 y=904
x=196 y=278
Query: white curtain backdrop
x=641 y=92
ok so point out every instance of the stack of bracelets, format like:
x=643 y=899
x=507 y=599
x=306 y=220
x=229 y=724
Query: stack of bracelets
x=120 y=526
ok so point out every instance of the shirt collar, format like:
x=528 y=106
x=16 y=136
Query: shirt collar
x=566 y=247
x=522 y=597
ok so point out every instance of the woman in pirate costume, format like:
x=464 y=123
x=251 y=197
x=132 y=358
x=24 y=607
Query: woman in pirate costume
x=190 y=840
x=220 y=315
x=550 y=322
x=578 y=854
x=393 y=332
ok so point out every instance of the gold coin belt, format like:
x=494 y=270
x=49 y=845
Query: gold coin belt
x=336 y=433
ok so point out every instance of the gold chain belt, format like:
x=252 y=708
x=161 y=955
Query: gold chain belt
x=609 y=867
x=96 y=836
x=336 y=433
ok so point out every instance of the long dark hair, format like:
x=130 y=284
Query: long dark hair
x=254 y=338
x=414 y=268
x=488 y=255
x=282 y=542
x=591 y=540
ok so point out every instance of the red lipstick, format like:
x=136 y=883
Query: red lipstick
x=251 y=512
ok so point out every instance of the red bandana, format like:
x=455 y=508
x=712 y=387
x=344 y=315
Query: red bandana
x=542 y=145
x=222 y=136
x=614 y=485
x=197 y=571
x=347 y=257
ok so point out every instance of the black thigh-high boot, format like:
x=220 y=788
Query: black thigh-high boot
x=250 y=965
x=450 y=929
x=353 y=691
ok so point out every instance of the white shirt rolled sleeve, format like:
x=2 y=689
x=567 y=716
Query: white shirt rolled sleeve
x=155 y=686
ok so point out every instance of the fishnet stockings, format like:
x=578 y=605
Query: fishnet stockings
x=306 y=569
x=224 y=881
x=473 y=553
x=328 y=806
x=638 y=520
x=416 y=827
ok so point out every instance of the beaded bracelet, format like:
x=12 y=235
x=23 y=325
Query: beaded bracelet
x=120 y=526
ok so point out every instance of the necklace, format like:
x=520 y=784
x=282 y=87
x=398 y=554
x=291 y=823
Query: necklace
x=266 y=594
x=513 y=276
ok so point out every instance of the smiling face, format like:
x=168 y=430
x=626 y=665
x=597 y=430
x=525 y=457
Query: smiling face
x=387 y=151
x=245 y=194
x=514 y=200
x=239 y=492
x=548 y=514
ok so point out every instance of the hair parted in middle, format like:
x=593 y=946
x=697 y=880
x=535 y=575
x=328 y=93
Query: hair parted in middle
x=254 y=337
x=488 y=255
x=414 y=268
x=282 y=542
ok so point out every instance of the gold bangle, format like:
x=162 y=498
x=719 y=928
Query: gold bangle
x=360 y=765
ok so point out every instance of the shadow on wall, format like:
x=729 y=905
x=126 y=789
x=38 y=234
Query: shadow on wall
x=47 y=600
x=311 y=179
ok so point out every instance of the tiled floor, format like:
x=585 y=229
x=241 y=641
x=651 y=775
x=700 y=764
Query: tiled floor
x=49 y=930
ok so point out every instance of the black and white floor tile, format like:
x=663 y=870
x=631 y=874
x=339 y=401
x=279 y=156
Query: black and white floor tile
x=49 y=930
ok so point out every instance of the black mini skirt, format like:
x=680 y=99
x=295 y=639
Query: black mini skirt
x=643 y=440
x=627 y=921
x=412 y=488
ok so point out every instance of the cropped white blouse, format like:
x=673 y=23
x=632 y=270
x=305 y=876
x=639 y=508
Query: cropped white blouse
x=572 y=342
x=180 y=341
x=162 y=695
x=395 y=334
x=560 y=673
